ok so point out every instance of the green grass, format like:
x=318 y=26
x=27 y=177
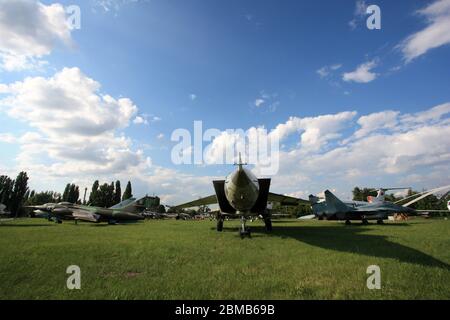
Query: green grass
x=168 y=259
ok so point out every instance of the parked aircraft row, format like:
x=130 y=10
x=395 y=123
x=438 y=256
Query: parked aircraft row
x=127 y=210
x=241 y=195
x=244 y=195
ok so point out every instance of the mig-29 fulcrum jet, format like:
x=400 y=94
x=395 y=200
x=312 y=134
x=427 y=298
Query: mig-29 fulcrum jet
x=334 y=209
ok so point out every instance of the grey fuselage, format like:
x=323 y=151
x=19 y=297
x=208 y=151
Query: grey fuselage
x=358 y=211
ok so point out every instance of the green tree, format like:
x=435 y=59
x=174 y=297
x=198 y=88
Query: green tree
x=128 y=192
x=362 y=194
x=66 y=193
x=19 y=190
x=6 y=188
x=93 y=197
x=117 y=193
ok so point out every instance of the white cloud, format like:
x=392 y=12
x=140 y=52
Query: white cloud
x=76 y=128
x=140 y=120
x=376 y=121
x=24 y=41
x=434 y=35
x=362 y=74
x=160 y=136
x=192 y=96
x=402 y=149
x=315 y=132
x=325 y=71
x=358 y=14
x=268 y=102
x=7 y=137
x=114 y=5
x=259 y=102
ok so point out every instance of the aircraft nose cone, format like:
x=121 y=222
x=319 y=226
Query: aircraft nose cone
x=240 y=178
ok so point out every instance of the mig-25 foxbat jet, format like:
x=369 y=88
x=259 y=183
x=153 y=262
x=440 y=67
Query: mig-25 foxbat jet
x=244 y=195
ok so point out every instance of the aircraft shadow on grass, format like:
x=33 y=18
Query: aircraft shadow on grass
x=350 y=239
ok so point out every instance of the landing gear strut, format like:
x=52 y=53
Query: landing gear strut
x=365 y=222
x=243 y=230
x=219 y=223
x=268 y=224
x=348 y=222
x=380 y=221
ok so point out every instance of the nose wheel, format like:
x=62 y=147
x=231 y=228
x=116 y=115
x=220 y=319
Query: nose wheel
x=243 y=230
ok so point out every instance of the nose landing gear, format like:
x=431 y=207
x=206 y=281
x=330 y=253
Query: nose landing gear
x=243 y=230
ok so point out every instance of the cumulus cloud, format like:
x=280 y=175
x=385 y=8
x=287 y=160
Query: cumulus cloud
x=315 y=132
x=386 y=146
x=375 y=121
x=362 y=74
x=434 y=35
x=30 y=30
x=76 y=127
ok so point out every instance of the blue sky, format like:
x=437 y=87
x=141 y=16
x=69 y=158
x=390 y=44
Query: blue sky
x=231 y=64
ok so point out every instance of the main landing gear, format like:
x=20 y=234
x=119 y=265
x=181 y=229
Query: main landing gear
x=268 y=224
x=365 y=222
x=348 y=222
x=219 y=223
x=243 y=230
x=380 y=221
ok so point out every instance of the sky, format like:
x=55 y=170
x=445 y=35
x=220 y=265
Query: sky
x=351 y=106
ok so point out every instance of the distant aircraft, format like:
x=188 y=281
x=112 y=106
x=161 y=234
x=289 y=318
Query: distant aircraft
x=244 y=195
x=334 y=209
x=127 y=210
x=156 y=215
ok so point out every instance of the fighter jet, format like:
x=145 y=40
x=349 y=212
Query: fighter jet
x=244 y=195
x=127 y=210
x=334 y=209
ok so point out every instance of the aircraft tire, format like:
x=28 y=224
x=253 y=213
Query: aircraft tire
x=348 y=222
x=380 y=221
x=365 y=222
x=268 y=224
x=220 y=225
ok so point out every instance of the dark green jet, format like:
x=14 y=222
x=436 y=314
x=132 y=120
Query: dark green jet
x=242 y=194
x=127 y=210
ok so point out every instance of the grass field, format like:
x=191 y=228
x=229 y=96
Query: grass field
x=168 y=259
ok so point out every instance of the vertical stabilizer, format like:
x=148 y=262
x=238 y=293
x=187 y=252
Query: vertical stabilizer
x=335 y=205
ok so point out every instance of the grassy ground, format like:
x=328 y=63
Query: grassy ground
x=190 y=260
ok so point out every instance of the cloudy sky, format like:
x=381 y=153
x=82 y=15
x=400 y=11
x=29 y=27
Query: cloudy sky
x=351 y=106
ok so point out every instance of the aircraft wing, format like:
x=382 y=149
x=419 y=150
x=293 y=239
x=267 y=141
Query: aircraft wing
x=85 y=215
x=199 y=202
x=286 y=200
